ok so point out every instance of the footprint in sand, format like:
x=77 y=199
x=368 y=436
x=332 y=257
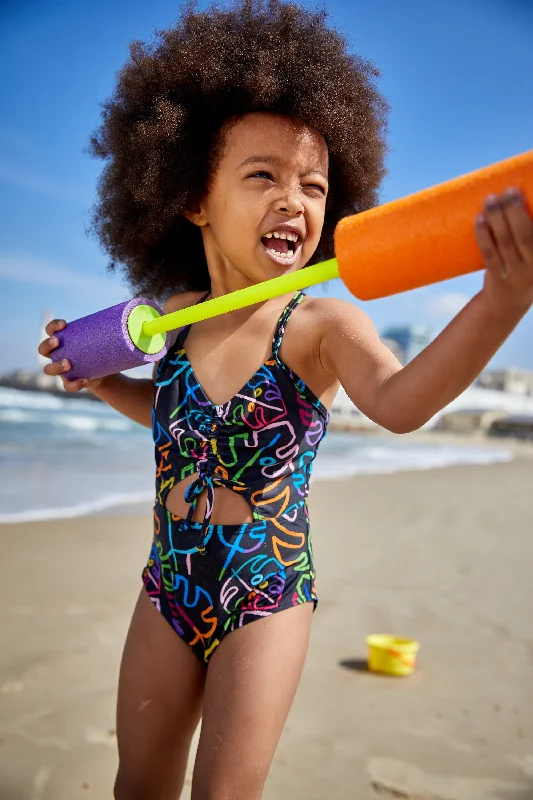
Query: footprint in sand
x=108 y=737
x=398 y=779
x=524 y=762
x=40 y=782
x=12 y=687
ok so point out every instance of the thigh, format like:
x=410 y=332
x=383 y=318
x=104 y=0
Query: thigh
x=159 y=706
x=251 y=682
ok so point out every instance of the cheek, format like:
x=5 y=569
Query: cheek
x=235 y=211
x=316 y=222
x=225 y=219
x=234 y=233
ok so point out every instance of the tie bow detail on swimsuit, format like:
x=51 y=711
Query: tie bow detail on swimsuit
x=205 y=481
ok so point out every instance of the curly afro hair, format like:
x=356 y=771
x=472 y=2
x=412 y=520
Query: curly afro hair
x=161 y=130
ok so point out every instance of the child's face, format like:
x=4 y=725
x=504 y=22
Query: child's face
x=272 y=177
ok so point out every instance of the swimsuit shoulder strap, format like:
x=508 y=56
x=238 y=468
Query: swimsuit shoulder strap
x=297 y=382
x=282 y=324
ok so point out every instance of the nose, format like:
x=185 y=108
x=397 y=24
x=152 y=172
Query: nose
x=290 y=202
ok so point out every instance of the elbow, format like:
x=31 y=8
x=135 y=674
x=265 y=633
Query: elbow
x=396 y=412
x=403 y=428
x=399 y=414
x=402 y=425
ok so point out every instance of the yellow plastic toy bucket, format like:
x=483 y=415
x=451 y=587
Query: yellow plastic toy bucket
x=391 y=655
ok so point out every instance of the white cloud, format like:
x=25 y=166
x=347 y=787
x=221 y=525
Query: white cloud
x=43 y=272
x=447 y=304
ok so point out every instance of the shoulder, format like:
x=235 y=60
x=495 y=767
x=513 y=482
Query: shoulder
x=338 y=325
x=331 y=313
x=182 y=300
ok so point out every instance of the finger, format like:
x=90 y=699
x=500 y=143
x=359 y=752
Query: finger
x=74 y=386
x=487 y=247
x=47 y=345
x=55 y=325
x=520 y=223
x=57 y=367
x=502 y=235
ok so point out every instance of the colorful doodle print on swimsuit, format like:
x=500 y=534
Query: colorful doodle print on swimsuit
x=208 y=579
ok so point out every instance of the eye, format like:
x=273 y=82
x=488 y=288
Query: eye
x=320 y=188
x=261 y=174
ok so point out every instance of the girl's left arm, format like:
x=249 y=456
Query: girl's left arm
x=403 y=399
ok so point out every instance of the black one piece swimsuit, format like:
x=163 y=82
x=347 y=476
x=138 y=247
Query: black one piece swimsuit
x=209 y=579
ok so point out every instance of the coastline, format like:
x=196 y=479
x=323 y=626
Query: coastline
x=64 y=460
x=113 y=489
x=441 y=555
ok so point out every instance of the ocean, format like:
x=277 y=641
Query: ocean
x=64 y=458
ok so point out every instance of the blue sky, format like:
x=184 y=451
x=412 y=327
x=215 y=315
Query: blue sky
x=457 y=75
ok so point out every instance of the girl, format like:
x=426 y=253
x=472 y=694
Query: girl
x=234 y=144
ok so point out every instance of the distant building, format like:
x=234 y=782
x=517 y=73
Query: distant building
x=518 y=426
x=515 y=381
x=407 y=341
x=32 y=381
x=468 y=420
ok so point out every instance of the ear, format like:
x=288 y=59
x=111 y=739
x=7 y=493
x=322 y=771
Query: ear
x=196 y=215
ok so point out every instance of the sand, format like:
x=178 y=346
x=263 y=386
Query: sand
x=443 y=555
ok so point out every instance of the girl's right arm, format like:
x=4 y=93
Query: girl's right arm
x=132 y=397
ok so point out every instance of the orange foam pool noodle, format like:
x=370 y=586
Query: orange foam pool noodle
x=426 y=237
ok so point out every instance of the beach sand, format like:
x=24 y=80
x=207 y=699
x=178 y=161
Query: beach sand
x=443 y=556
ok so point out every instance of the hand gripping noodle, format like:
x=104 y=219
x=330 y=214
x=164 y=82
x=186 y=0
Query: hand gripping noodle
x=111 y=340
x=415 y=241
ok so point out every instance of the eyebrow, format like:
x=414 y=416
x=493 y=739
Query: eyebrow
x=275 y=162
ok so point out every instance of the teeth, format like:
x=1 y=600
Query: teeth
x=286 y=255
x=292 y=237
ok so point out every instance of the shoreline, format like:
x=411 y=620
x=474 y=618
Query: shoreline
x=476 y=443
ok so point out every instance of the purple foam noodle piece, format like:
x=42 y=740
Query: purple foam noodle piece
x=99 y=344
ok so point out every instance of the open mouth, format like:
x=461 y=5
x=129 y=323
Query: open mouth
x=281 y=247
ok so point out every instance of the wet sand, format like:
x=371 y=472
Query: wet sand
x=443 y=556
